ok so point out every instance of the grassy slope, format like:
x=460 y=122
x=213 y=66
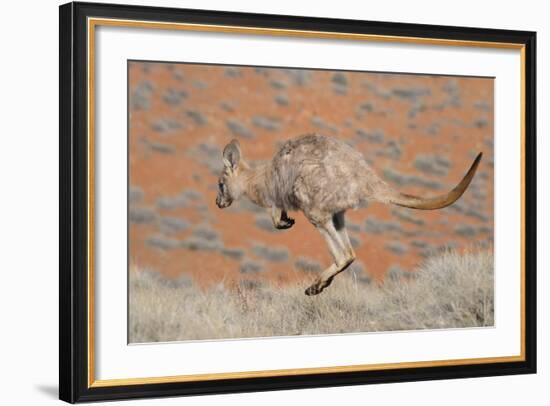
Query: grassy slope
x=447 y=291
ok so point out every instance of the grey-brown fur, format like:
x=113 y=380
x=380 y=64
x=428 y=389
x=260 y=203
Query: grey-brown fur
x=323 y=177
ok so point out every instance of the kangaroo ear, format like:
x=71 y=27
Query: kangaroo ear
x=232 y=154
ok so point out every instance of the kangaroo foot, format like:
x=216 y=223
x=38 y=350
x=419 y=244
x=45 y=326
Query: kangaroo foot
x=284 y=223
x=318 y=287
x=313 y=290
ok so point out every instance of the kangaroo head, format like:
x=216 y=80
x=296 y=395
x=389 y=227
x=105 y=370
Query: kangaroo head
x=231 y=182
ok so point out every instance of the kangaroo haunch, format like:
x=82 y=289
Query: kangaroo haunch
x=323 y=177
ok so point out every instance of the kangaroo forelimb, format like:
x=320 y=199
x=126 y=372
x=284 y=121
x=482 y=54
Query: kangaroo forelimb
x=280 y=219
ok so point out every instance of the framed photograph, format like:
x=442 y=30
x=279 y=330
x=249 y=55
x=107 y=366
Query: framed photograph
x=258 y=202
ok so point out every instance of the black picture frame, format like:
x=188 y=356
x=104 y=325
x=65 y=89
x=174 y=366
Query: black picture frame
x=73 y=284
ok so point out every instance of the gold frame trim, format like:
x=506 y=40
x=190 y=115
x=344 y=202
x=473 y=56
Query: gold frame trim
x=94 y=22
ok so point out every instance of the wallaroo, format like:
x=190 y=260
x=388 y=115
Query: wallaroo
x=323 y=177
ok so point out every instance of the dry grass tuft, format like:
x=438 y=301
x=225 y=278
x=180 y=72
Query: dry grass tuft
x=450 y=290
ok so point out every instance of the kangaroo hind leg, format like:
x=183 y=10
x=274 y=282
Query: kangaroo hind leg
x=340 y=248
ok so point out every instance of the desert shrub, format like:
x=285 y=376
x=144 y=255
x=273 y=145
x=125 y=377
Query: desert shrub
x=227 y=106
x=200 y=84
x=485 y=230
x=197 y=117
x=340 y=78
x=267 y=123
x=278 y=84
x=249 y=284
x=411 y=93
x=391 y=150
x=178 y=75
x=239 y=129
x=397 y=247
x=407 y=215
x=173 y=224
x=206 y=233
x=271 y=254
x=453 y=94
x=375 y=136
x=233 y=72
x=366 y=107
x=188 y=198
x=192 y=194
x=166 y=125
x=409 y=180
x=353 y=227
x=481 y=122
x=470 y=209
x=432 y=164
x=307 y=265
x=250 y=267
x=417 y=107
x=159 y=147
x=163 y=243
x=208 y=155
x=340 y=83
x=375 y=226
x=482 y=105
x=282 y=99
x=323 y=125
x=141 y=215
x=434 y=250
x=348 y=122
x=377 y=90
x=449 y=290
x=396 y=273
x=419 y=244
x=174 y=97
x=433 y=129
x=299 y=77
x=465 y=230
x=262 y=71
x=140 y=97
x=264 y=222
x=358 y=272
x=135 y=194
x=195 y=243
x=203 y=238
x=147 y=67
x=233 y=253
x=355 y=241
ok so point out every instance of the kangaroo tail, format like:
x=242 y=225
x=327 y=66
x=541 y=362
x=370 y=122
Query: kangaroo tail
x=438 y=202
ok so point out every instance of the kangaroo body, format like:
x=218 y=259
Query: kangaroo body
x=322 y=177
x=317 y=173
